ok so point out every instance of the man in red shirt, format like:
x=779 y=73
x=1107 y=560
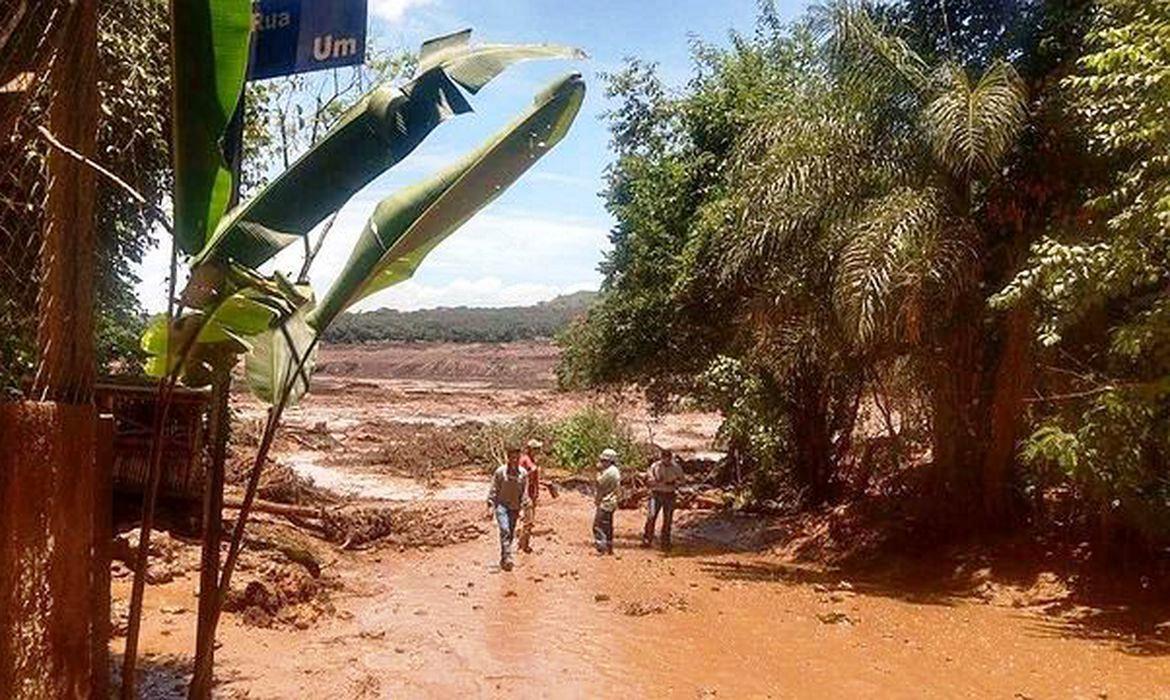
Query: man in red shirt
x=528 y=515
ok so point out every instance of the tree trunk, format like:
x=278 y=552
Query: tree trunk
x=956 y=383
x=66 y=365
x=1013 y=380
x=813 y=438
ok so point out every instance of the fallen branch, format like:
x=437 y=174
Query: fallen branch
x=105 y=172
x=261 y=506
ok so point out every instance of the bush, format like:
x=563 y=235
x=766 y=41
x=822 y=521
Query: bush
x=487 y=444
x=580 y=438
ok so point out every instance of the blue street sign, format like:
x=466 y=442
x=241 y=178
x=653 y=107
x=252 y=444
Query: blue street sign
x=298 y=36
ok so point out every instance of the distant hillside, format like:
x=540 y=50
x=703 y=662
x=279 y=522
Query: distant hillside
x=462 y=324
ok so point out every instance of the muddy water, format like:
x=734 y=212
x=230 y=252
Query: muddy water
x=384 y=487
x=700 y=623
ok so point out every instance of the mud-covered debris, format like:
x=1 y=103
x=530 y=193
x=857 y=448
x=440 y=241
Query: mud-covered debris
x=408 y=525
x=639 y=608
x=601 y=597
x=169 y=557
x=119 y=617
x=279 y=483
x=835 y=618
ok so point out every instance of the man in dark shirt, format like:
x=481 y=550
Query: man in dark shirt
x=508 y=494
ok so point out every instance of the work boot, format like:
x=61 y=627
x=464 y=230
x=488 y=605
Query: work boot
x=506 y=564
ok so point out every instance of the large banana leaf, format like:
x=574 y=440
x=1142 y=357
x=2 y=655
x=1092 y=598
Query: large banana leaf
x=229 y=326
x=378 y=132
x=210 y=45
x=409 y=224
x=277 y=355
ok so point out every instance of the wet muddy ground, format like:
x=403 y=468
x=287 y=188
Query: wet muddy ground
x=700 y=622
x=728 y=614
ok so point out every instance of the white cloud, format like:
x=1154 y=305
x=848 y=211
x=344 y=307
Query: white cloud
x=499 y=258
x=393 y=10
x=572 y=180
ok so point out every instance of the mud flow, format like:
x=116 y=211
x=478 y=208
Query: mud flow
x=397 y=591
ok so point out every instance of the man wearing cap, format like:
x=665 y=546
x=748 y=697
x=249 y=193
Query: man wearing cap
x=506 y=498
x=528 y=514
x=665 y=476
x=609 y=481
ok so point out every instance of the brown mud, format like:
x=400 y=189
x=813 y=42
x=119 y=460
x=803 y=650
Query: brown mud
x=745 y=606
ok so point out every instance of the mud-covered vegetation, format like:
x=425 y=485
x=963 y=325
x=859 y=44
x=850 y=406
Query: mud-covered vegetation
x=908 y=239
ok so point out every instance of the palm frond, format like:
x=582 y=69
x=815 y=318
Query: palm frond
x=791 y=172
x=864 y=52
x=971 y=127
x=907 y=254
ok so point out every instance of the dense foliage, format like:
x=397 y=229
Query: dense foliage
x=938 y=225
x=461 y=324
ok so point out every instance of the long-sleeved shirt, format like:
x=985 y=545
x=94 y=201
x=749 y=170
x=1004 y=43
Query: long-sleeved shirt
x=666 y=477
x=509 y=489
x=609 y=483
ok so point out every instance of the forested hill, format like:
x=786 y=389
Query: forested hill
x=462 y=324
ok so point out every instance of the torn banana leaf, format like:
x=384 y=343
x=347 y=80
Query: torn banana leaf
x=381 y=130
x=409 y=224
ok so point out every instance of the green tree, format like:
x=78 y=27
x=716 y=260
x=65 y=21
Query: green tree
x=1100 y=284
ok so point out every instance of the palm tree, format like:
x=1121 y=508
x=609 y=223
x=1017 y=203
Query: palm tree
x=865 y=193
x=916 y=262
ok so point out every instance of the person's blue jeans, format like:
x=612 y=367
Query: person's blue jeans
x=603 y=531
x=664 y=503
x=506 y=518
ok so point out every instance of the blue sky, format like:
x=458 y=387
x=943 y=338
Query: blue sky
x=546 y=235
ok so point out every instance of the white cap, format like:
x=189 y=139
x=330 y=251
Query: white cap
x=609 y=455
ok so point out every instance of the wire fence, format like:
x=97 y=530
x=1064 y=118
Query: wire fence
x=30 y=34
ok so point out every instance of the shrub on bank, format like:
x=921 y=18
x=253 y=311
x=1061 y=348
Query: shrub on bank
x=572 y=443
x=581 y=437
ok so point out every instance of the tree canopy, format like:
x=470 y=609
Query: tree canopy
x=943 y=220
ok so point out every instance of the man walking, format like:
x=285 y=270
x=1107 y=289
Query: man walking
x=665 y=476
x=534 y=472
x=609 y=480
x=508 y=495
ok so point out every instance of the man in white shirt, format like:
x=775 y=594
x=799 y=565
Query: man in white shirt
x=609 y=481
x=664 y=477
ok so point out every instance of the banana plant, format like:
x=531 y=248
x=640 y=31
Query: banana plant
x=378 y=132
x=403 y=229
x=278 y=325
